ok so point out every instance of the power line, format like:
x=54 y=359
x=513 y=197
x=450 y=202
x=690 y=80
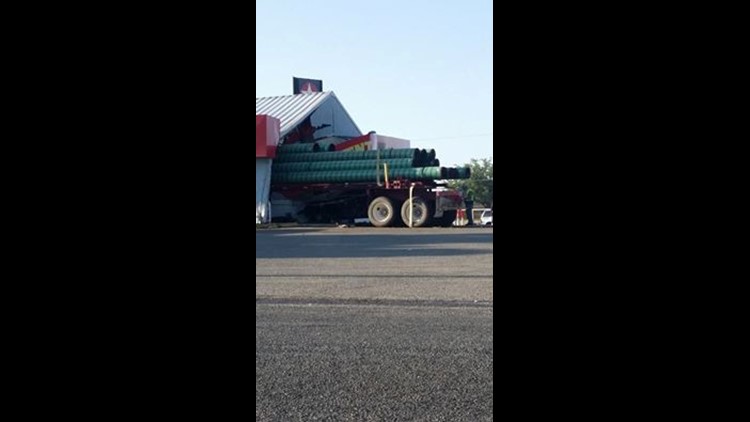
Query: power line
x=453 y=137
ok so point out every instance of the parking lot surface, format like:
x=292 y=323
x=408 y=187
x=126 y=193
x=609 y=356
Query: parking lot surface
x=374 y=324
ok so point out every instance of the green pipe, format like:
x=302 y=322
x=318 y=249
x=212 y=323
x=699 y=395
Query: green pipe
x=340 y=165
x=463 y=173
x=350 y=176
x=287 y=157
x=295 y=148
x=324 y=147
x=430 y=155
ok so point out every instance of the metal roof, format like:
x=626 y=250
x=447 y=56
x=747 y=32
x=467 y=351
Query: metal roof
x=291 y=109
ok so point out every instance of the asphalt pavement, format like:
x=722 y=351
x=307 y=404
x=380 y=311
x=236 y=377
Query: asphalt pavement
x=366 y=324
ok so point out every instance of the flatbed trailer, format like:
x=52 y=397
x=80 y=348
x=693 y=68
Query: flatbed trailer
x=395 y=204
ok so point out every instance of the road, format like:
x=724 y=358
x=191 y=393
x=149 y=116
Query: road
x=365 y=324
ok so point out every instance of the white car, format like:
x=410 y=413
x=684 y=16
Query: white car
x=486 y=218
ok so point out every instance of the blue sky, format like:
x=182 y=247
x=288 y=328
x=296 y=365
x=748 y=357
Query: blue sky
x=413 y=69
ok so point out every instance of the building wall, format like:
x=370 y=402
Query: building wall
x=329 y=119
x=266 y=136
x=262 y=190
x=266 y=139
x=385 y=142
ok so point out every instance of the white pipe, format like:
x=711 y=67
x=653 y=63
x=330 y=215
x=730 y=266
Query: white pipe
x=374 y=144
x=411 y=205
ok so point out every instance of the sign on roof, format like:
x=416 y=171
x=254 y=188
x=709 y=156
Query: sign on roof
x=306 y=86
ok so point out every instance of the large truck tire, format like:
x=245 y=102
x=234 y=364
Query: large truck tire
x=420 y=213
x=381 y=212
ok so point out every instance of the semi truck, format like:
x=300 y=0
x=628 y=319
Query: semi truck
x=340 y=182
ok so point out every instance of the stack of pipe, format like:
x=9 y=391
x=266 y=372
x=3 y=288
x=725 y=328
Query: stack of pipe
x=308 y=163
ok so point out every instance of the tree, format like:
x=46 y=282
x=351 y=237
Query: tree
x=480 y=185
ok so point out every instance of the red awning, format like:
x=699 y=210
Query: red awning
x=267 y=131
